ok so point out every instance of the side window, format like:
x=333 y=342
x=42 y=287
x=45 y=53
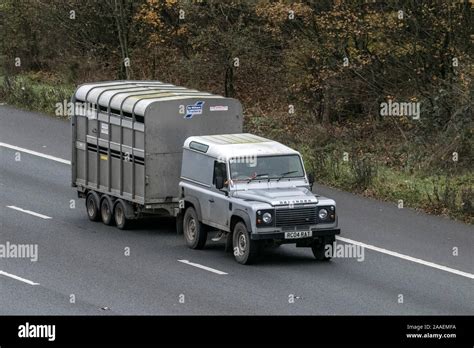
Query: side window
x=197 y=167
x=219 y=171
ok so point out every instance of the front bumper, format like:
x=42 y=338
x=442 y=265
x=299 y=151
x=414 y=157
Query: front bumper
x=281 y=235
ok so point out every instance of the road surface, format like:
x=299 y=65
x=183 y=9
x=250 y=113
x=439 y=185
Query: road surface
x=408 y=266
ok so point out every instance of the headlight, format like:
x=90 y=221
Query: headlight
x=267 y=218
x=323 y=214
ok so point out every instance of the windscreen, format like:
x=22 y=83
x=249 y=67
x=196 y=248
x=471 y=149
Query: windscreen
x=266 y=167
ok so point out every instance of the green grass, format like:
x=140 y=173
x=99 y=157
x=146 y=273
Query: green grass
x=31 y=93
x=439 y=194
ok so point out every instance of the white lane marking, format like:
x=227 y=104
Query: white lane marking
x=202 y=267
x=29 y=212
x=18 y=278
x=34 y=153
x=408 y=258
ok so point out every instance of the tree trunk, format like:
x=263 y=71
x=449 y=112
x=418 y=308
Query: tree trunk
x=229 y=82
x=125 y=70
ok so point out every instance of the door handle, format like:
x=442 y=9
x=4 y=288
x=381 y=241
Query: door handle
x=211 y=200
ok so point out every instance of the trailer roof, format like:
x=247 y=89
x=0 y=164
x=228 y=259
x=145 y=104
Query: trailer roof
x=134 y=96
x=240 y=145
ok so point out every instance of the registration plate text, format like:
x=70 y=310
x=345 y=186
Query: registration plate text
x=298 y=234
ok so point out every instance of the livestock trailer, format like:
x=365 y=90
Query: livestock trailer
x=127 y=143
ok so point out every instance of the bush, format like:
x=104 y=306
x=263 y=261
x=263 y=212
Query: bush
x=364 y=170
x=25 y=92
x=467 y=201
x=443 y=197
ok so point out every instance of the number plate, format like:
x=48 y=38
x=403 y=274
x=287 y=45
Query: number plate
x=298 y=234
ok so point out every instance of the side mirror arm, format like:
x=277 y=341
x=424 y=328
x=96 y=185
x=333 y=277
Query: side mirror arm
x=310 y=181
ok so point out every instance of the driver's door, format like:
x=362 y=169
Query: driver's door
x=218 y=202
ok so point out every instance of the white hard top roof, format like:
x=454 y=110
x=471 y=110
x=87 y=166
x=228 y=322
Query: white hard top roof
x=126 y=93
x=241 y=145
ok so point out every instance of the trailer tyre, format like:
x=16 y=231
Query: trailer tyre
x=106 y=211
x=120 y=217
x=92 y=206
x=195 y=233
x=246 y=250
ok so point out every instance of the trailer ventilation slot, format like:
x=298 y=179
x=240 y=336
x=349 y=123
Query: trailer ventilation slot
x=127 y=157
x=115 y=112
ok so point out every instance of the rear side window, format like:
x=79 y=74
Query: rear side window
x=197 y=167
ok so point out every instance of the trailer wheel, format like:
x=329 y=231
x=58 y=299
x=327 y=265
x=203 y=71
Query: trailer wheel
x=319 y=249
x=195 y=233
x=246 y=250
x=121 y=220
x=92 y=206
x=106 y=211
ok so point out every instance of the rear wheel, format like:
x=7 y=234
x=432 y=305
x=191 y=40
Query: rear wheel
x=106 y=211
x=194 y=231
x=121 y=220
x=92 y=206
x=246 y=250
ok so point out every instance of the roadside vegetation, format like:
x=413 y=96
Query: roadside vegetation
x=35 y=92
x=311 y=74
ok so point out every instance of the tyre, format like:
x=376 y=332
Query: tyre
x=92 y=206
x=194 y=231
x=246 y=250
x=106 y=211
x=179 y=224
x=121 y=220
x=319 y=250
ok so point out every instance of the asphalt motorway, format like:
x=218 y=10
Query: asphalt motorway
x=409 y=266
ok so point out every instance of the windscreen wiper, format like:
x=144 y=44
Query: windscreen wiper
x=282 y=175
x=256 y=177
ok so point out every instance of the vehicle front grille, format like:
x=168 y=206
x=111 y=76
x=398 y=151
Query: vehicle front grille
x=296 y=216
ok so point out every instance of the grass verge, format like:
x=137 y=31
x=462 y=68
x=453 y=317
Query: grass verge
x=32 y=93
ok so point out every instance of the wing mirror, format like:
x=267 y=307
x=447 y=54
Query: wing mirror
x=310 y=180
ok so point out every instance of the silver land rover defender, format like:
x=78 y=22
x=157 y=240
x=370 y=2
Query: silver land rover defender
x=253 y=192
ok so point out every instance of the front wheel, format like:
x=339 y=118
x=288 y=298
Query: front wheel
x=194 y=231
x=246 y=250
x=323 y=250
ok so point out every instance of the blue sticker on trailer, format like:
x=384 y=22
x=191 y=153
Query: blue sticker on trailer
x=195 y=109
